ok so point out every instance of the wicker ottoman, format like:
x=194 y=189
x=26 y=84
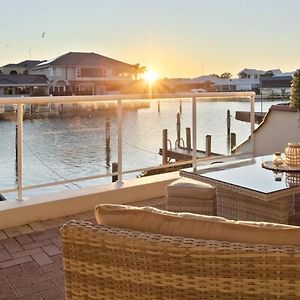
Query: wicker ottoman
x=187 y=195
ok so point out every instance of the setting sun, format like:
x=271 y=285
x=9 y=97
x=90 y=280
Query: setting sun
x=150 y=76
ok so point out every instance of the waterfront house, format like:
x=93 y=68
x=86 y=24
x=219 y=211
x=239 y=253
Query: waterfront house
x=19 y=68
x=276 y=86
x=17 y=85
x=84 y=74
x=251 y=74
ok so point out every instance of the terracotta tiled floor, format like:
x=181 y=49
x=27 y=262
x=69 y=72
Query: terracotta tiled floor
x=31 y=258
x=31 y=264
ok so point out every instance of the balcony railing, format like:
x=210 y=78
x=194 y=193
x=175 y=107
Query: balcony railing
x=21 y=101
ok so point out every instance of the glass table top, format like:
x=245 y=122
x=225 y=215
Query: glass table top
x=249 y=173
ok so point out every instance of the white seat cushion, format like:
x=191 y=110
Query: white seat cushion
x=188 y=188
x=187 y=225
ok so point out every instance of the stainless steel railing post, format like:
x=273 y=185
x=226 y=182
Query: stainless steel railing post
x=194 y=131
x=252 y=119
x=120 y=142
x=20 y=151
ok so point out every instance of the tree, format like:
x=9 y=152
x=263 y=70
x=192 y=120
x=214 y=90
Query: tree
x=226 y=75
x=268 y=74
x=214 y=75
x=243 y=75
x=137 y=70
x=295 y=92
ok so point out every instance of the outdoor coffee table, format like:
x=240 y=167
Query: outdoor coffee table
x=247 y=191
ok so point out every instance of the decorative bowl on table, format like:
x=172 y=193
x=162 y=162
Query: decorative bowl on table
x=292 y=154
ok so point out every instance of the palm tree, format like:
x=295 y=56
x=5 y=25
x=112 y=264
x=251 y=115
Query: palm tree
x=226 y=75
x=137 y=70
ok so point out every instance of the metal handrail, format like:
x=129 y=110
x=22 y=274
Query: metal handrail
x=21 y=101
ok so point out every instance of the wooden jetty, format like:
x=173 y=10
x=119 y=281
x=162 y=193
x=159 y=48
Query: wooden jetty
x=183 y=153
x=244 y=116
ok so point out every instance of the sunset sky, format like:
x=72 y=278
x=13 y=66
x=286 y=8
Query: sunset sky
x=177 y=38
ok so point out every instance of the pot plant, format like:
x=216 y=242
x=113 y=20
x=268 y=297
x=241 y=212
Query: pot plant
x=295 y=91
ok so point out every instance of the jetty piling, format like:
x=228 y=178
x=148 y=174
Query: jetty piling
x=158 y=105
x=228 y=145
x=233 y=141
x=228 y=122
x=188 y=138
x=180 y=106
x=114 y=168
x=208 y=145
x=165 y=146
x=178 y=127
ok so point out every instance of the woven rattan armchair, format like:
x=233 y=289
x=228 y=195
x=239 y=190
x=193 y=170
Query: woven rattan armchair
x=107 y=263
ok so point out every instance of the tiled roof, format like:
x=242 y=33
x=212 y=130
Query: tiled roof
x=23 y=79
x=24 y=64
x=83 y=59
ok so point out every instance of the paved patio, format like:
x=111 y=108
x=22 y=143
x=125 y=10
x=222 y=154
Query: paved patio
x=31 y=258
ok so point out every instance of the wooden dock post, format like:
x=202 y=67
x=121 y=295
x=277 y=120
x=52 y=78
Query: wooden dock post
x=107 y=143
x=208 y=145
x=164 y=146
x=188 y=138
x=228 y=122
x=233 y=141
x=178 y=126
x=180 y=106
x=158 y=105
x=114 y=167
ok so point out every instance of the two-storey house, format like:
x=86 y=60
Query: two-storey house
x=84 y=74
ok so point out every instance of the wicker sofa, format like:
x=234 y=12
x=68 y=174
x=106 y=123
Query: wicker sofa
x=103 y=262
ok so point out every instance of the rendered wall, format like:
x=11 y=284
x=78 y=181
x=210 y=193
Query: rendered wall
x=54 y=205
x=278 y=129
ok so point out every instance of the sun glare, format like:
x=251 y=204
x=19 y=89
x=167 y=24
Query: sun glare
x=150 y=76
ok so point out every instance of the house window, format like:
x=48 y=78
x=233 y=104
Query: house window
x=93 y=72
x=22 y=90
x=255 y=76
x=8 y=91
x=52 y=71
x=249 y=75
x=78 y=72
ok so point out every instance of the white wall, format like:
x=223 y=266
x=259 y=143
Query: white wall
x=54 y=205
x=278 y=129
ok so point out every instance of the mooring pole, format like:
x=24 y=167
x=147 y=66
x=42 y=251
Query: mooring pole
x=228 y=122
x=208 y=145
x=178 y=126
x=158 y=105
x=233 y=141
x=188 y=138
x=164 y=146
x=114 y=167
x=180 y=106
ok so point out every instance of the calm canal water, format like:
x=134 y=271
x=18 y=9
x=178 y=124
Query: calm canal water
x=57 y=149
